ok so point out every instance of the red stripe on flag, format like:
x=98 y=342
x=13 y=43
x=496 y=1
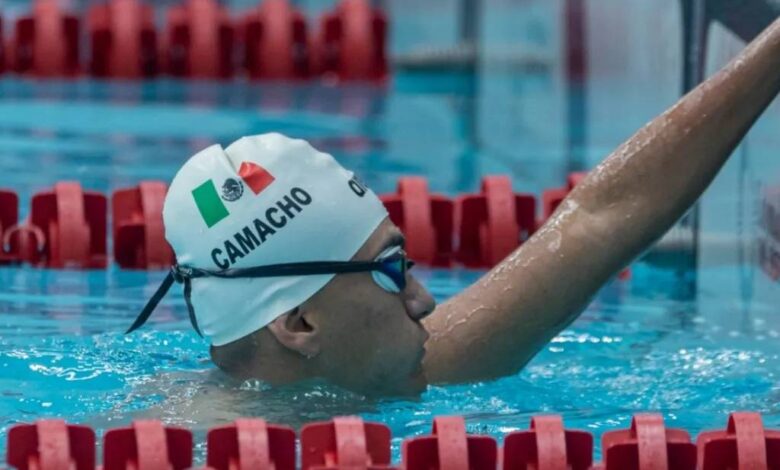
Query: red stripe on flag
x=255 y=176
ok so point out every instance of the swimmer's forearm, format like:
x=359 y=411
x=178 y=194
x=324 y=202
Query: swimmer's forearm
x=649 y=182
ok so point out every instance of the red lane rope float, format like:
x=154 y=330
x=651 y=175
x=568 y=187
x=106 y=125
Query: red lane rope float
x=198 y=41
x=46 y=43
x=18 y=242
x=276 y=44
x=74 y=223
x=23 y=243
x=648 y=445
x=547 y=446
x=494 y=222
x=68 y=227
x=250 y=444
x=346 y=442
x=137 y=227
x=51 y=445
x=9 y=212
x=2 y=47
x=450 y=448
x=351 y=42
x=147 y=445
x=123 y=40
x=743 y=445
x=350 y=443
x=427 y=219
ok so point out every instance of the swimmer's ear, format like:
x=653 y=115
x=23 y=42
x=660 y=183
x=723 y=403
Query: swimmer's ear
x=294 y=332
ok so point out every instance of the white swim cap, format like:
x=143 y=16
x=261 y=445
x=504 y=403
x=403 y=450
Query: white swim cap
x=263 y=200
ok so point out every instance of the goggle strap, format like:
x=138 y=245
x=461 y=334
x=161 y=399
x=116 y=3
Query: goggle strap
x=299 y=269
x=165 y=286
x=190 y=309
x=290 y=269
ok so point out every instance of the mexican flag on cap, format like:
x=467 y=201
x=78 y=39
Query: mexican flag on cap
x=211 y=204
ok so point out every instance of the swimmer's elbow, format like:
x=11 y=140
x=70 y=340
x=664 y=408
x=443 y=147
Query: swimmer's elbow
x=617 y=231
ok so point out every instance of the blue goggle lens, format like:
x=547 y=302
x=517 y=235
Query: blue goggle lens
x=392 y=276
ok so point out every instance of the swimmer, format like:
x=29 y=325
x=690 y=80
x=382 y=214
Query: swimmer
x=292 y=270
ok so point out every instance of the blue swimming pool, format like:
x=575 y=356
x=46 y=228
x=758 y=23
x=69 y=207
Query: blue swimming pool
x=642 y=345
x=637 y=347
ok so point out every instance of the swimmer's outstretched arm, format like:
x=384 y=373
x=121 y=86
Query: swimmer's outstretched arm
x=627 y=202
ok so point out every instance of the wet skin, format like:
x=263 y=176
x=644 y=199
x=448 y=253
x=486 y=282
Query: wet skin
x=356 y=335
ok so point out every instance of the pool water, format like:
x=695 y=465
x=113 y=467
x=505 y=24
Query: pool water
x=641 y=345
x=635 y=349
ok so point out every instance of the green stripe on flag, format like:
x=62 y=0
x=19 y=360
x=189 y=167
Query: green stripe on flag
x=209 y=204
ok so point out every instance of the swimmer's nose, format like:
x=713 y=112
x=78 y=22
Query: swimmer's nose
x=418 y=301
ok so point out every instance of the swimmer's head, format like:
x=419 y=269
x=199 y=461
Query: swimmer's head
x=336 y=303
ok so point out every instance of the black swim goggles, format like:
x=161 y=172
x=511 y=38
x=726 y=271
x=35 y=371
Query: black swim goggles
x=388 y=271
